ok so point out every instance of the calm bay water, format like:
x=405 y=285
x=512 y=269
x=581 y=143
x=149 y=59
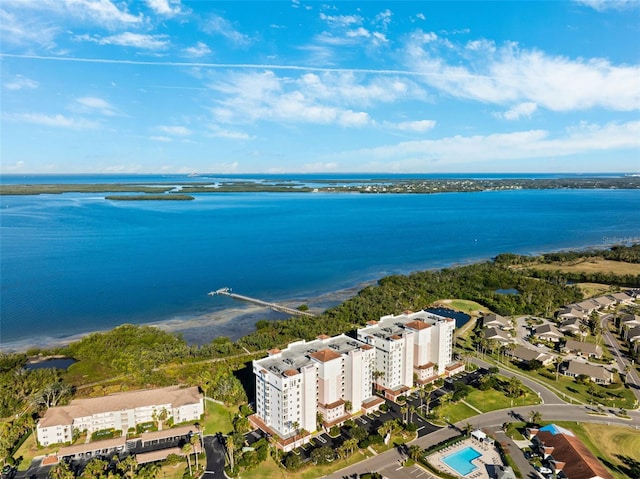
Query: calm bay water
x=75 y=263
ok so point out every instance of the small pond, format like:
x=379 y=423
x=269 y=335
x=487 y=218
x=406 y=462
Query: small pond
x=461 y=318
x=511 y=291
x=57 y=363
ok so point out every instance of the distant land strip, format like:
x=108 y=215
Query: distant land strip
x=377 y=186
x=150 y=197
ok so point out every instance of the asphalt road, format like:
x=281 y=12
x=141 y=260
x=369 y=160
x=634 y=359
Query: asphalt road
x=215 y=457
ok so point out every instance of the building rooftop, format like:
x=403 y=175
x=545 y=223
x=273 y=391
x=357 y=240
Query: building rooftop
x=299 y=354
x=172 y=396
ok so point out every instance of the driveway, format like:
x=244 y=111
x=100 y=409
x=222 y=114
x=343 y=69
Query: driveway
x=215 y=450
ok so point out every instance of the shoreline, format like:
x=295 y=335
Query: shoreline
x=233 y=322
x=238 y=321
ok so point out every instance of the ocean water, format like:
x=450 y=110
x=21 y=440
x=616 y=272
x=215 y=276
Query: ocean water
x=75 y=263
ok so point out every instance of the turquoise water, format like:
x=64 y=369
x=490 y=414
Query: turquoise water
x=75 y=263
x=460 y=461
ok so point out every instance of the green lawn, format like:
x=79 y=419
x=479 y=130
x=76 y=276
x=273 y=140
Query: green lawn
x=217 y=418
x=492 y=400
x=485 y=401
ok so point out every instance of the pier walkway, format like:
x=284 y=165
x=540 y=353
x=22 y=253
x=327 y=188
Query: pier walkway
x=259 y=302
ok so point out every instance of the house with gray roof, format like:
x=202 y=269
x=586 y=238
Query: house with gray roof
x=548 y=332
x=628 y=322
x=596 y=373
x=572 y=326
x=582 y=348
x=525 y=355
x=571 y=313
x=496 y=321
x=497 y=335
x=621 y=298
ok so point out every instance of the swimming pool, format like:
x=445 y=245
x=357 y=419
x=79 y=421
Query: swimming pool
x=460 y=461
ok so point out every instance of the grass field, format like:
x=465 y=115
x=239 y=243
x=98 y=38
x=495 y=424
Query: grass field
x=590 y=265
x=594 y=289
x=470 y=307
x=486 y=401
x=217 y=418
x=607 y=443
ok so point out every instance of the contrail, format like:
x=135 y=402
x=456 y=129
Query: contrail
x=235 y=65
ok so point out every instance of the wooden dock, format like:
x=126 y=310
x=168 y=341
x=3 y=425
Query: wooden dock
x=259 y=302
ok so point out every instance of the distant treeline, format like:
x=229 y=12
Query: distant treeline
x=627 y=254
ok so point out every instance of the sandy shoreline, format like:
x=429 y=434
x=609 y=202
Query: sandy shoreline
x=231 y=322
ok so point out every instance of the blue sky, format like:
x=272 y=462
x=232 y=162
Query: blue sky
x=177 y=86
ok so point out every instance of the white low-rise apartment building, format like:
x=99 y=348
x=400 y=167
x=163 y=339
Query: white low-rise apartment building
x=120 y=412
x=410 y=345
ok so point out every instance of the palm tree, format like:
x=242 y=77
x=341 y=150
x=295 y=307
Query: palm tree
x=535 y=417
x=195 y=442
x=347 y=406
x=412 y=409
x=95 y=468
x=186 y=450
x=414 y=452
x=61 y=471
x=466 y=429
x=128 y=465
x=295 y=425
x=404 y=410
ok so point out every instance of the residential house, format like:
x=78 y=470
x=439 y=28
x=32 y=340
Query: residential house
x=583 y=349
x=628 y=322
x=525 y=355
x=496 y=321
x=596 y=373
x=621 y=298
x=495 y=334
x=573 y=326
x=633 y=336
x=548 y=332
x=587 y=306
x=119 y=411
x=604 y=301
x=571 y=313
x=564 y=452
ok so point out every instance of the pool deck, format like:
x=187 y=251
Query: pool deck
x=485 y=463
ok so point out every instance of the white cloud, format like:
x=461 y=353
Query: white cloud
x=21 y=30
x=221 y=26
x=508 y=75
x=603 y=5
x=21 y=83
x=329 y=98
x=102 y=11
x=418 y=126
x=166 y=8
x=384 y=18
x=90 y=103
x=421 y=16
x=56 y=121
x=130 y=39
x=341 y=20
x=174 y=130
x=582 y=139
x=163 y=139
x=229 y=134
x=522 y=110
x=200 y=49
